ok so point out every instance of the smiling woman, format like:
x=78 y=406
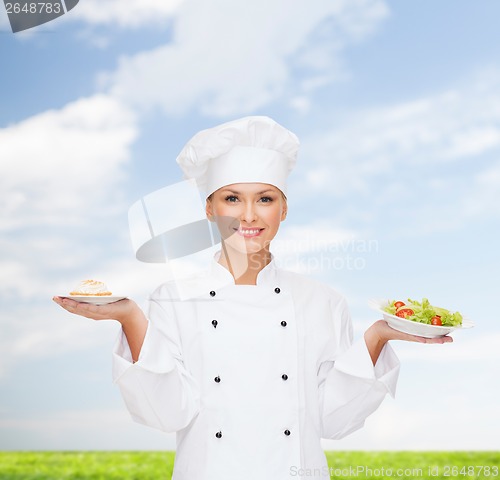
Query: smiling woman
x=248 y=218
x=258 y=363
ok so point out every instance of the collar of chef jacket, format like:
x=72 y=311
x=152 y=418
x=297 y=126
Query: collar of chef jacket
x=218 y=276
x=266 y=276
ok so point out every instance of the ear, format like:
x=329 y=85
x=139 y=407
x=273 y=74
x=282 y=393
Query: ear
x=284 y=211
x=209 y=210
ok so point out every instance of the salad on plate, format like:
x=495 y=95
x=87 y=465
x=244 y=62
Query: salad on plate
x=424 y=312
x=420 y=318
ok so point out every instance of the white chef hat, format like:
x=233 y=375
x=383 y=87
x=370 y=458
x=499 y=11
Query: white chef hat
x=253 y=149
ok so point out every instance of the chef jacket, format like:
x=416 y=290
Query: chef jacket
x=251 y=377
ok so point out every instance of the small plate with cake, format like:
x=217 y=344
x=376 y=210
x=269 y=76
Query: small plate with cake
x=93 y=291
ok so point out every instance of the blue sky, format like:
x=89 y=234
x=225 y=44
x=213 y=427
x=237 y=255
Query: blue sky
x=397 y=106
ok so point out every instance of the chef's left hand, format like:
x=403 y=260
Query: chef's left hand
x=385 y=333
x=380 y=333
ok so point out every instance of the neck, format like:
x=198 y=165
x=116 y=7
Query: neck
x=244 y=267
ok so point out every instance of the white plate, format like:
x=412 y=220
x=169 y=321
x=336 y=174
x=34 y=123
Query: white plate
x=416 y=328
x=95 y=299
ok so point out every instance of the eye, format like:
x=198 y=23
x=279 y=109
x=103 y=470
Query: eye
x=266 y=199
x=231 y=198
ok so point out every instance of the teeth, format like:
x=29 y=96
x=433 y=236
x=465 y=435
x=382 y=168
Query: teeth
x=249 y=232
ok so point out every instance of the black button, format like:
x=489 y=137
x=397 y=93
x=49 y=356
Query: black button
x=283 y=323
x=217 y=379
x=214 y=323
x=284 y=376
x=277 y=290
x=212 y=293
x=287 y=432
x=218 y=434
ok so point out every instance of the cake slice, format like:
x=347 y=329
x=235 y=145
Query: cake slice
x=91 y=288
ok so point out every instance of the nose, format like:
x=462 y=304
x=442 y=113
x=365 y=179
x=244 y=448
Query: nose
x=248 y=214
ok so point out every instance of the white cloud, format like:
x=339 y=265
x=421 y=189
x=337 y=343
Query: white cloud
x=59 y=164
x=466 y=349
x=473 y=141
x=41 y=329
x=445 y=147
x=427 y=422
x=301 y=104
x=483 y=199
x=489 y=177
x=440 y=129
x=125 y=13
x=228 y=58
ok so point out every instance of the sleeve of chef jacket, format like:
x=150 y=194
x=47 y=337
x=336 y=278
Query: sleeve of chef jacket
x=351 y=388
x=158 y=391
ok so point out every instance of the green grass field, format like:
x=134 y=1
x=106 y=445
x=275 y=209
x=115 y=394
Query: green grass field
x=158 y=465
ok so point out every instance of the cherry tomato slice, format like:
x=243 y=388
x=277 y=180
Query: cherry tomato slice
x=399 y=304
x=436 y=320
x=405 y=312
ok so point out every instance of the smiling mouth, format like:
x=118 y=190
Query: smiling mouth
x=248 y=232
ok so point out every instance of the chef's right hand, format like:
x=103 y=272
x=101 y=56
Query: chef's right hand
x=123 y=311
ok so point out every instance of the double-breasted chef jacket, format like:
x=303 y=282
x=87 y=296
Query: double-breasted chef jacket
x=252 y=376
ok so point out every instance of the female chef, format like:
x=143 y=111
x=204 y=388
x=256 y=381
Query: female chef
x=258 y=364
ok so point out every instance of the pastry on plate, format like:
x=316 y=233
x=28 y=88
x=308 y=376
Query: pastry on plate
x=91 y=288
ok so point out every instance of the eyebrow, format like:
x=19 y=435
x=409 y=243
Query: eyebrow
x=239 y=193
